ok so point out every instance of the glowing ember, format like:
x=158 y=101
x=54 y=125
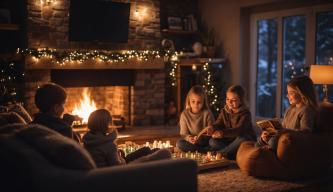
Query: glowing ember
x=86 y=107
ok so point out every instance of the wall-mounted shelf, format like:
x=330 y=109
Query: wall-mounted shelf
x=200 y=60
x=179 y=32
x=11 y=27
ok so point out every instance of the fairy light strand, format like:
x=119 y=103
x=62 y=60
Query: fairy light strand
x=62 y=58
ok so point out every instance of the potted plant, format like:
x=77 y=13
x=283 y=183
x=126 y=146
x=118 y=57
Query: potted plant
x=208 y=37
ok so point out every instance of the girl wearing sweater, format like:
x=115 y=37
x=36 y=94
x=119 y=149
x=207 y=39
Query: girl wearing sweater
x=100 y=141
x=301 y=114
x=193 y=119
x=233 y=124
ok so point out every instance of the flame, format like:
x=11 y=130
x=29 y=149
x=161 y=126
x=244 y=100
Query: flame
x=86 y=107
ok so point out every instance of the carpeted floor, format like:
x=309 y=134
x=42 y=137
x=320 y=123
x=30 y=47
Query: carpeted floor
x=231 y=179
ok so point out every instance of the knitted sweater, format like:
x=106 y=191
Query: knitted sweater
x=299 y=118
x=192 y=123
x=234 y=124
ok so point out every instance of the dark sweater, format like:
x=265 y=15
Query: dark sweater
x=54 y=123
x=234 y=124
x=103 y=149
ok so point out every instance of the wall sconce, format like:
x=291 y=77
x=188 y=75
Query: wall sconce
x=322 y=74
x=139 y=13
x=47 y=2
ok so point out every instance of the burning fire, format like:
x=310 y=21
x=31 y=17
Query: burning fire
x=86 y=107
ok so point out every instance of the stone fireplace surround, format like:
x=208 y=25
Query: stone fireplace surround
x=48 y=27
x=137 y=94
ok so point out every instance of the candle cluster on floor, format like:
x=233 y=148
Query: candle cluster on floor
x=201 y=158
x=129 y=146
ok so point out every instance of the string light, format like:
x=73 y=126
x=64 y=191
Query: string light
x=61 y=58
x=209 y=83
x=11 y=78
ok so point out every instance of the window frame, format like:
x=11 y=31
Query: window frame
x=310 y=14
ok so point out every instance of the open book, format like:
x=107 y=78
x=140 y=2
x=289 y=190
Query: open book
x=202 y=133
x=272 y=126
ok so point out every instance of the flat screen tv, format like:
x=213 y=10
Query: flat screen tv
x=99 y=20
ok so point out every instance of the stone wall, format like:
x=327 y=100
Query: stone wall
x=148 y=97
x=48 y=26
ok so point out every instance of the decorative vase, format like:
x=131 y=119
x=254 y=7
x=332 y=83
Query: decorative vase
x=210 y=51
x=197 y=48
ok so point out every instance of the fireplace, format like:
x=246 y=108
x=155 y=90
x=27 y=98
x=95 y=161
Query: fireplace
x=88 y=90
x=135 y=95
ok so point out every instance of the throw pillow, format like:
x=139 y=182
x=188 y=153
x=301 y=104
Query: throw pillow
x=56 y=148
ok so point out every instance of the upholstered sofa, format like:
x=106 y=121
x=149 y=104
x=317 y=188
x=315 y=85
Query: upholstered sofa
x=297 y=156
x=35 y=158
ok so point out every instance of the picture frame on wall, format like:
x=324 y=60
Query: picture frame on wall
x=175 y=23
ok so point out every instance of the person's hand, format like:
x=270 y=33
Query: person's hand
x=121 y=153
x=265 y=136
x=210 y=130
x=192 y=139
x=217 y=134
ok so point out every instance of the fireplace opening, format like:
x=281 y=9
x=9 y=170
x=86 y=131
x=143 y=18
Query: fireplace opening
x=88 y=90
x=81 y=101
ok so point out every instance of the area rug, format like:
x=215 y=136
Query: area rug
x=231 y=179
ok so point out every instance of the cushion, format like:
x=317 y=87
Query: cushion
x=56 y=148
x=10 y=118
x=259 y=162
x=20 y=110
x=11 y=129
x=305 y=154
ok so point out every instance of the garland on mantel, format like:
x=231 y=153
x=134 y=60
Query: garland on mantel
x=79 y=56
x=109 y=57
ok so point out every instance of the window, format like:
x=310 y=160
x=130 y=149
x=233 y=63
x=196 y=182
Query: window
x=284 y=44
x=293 y=52
x=266 y=67
x=324 y=44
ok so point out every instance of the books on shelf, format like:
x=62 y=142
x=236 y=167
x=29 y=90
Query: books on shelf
x=192 y=23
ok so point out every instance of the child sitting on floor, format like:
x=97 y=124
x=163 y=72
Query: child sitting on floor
x=233 y=124
x=193 y=119
x=100 y=141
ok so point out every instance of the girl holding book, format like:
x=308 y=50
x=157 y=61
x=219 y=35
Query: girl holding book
x=301 y=114
x=233 y=124
x=193 y=119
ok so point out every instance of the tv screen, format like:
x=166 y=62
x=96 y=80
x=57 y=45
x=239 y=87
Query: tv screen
x=99 y=20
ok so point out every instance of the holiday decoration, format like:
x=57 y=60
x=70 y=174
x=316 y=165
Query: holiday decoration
x=63 y=57
x=171 y=59
x=11 y=79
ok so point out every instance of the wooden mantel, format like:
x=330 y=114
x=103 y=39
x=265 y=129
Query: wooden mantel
x=48 y=63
